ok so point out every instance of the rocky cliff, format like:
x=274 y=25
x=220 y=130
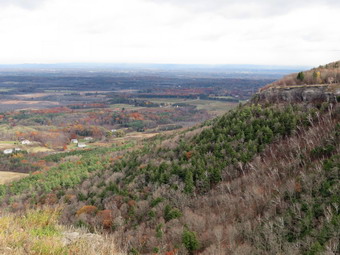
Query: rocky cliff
x=308 y=93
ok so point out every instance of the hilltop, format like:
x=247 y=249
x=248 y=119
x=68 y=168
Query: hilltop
x=312 y=86
x=322 y=75
x=262 y=178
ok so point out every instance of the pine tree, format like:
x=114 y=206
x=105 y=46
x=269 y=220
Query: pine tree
x=301 y=76
x=189 y=182
x=215 y=175
x=190 y=241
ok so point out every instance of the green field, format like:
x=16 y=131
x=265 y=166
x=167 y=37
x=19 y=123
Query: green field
x=126 y=106
x=5 y=89
x=212 y=106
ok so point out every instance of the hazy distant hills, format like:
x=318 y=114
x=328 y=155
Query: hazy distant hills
x=229 y=70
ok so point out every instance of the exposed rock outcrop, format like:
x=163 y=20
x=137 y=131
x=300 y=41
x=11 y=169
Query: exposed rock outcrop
x=312 y=93
x=73 y=237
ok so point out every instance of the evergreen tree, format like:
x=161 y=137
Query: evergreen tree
x=189 y=182
x=190 y=241
x=300 y=76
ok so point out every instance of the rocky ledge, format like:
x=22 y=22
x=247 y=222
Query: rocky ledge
x=312 y=93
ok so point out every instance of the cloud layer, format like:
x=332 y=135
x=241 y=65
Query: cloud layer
x=170 y=31
x=246 y=9
x=27 y=4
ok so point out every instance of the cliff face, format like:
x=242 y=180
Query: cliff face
x=294 y=94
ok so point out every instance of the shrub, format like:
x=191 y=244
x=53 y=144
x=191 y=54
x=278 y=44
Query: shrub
x=190 y=241
x=156 y=201
x=171 y=213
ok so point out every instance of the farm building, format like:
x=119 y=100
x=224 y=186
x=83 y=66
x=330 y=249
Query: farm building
x=88 y=138
x=8 y=151
x=74 y=141
x=26 y=142
x=81 y=145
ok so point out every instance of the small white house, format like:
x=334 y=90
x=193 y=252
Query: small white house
x=81 y=145
x=88 y=138
x=26 y=142
x=74 y=141
x=8 y=151
x=17 y=149
x=113 y=130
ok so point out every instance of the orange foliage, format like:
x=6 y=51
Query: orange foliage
x=173 y=252
x=116 y=158
x=88 y=209
x=132 y=203
x=188 y=155
x=40 y=163
x=15 y=206
x=52 y=110
x=298 y=187
x=105 y=217
x=136 y=116
x=69 y=197
x=142 y=166
x=18 y=155
x=74 y=136
x=19 y=134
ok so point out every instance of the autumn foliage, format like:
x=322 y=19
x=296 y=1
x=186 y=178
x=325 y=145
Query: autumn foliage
x=87 y=209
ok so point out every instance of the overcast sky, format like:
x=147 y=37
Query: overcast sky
x=271 y=32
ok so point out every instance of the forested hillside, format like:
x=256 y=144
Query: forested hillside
x=201 y=190
x=260 y=179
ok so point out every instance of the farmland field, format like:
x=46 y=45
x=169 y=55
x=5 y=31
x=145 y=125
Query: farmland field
x=6 y=177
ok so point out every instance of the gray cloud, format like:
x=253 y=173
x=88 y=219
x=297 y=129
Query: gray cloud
x=26 y=4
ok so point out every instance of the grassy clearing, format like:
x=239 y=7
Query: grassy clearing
x=8 y=144
x=34 y=148
x=126 y=106
x=212 y=106
x=38 y=149
x=9 y=130
x=38 y=232
x=6 y=177
x=5 y=89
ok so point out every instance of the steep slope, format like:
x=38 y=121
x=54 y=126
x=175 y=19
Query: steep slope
x=209 y=182
x=261 y=179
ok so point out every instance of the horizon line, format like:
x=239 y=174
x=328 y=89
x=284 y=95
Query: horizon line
x=116 y=64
